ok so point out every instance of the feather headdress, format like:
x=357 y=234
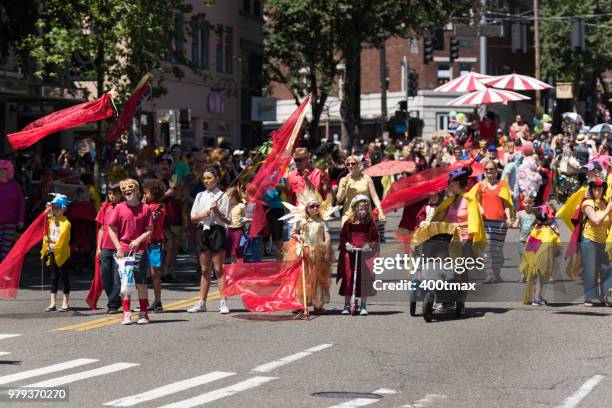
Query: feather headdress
x=298 y=212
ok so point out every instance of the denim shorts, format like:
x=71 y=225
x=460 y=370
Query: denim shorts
x=154 y=252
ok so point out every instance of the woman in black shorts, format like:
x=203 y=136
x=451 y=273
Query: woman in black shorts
x=211 y=211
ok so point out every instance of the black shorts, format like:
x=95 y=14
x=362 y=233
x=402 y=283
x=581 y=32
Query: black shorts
x=274 y=225
x=140 y=274
x=213 y=239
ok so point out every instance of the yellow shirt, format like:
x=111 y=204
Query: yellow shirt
x=592 y=232
x=354 y=188
x=236 y=213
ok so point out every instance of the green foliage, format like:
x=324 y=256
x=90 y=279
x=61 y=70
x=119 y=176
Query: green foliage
x=114 y=42
x=562 y=63
x=17 y=18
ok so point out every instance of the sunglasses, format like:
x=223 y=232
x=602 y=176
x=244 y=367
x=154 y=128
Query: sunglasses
x=490 y=169
x=351 y=164
x=128 y=187
x=314 y=206
x=299 y=160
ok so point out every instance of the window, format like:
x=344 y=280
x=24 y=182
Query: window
x=443 y=73
x=200 y=38
x=464 y=69
x=179 y=35
x=229 y=49
x=195 y=41
x=204 y=45
x=403 y=77
x=257 y=8
x=246 y=6
x=219 y=48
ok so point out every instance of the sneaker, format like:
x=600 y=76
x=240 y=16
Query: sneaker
x=538 y=302
x=143 y=318
x=364 y=312
x=198 y=307
x=346 y=310
x=127 y=318
x=156 y=307
x=223 y=309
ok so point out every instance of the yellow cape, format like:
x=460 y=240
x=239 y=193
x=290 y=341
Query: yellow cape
x=609 y=190
x=542 y=262
x=475 y=224
x=61 y=250
x=571 y=205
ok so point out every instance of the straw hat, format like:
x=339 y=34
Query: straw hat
x=300 y=153
x=581 y=138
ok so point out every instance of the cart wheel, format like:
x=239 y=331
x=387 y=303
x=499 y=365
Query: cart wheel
x=459 y=309
x=428 y=304
x=412 y=308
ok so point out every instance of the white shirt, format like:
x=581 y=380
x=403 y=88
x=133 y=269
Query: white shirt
x=203 y=202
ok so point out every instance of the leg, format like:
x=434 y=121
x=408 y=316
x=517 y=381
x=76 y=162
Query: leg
x=53 y=270
x=205 y=259
x=218 y=258
x=8 y=235
x=65 y=275
x=588 y=270
x=156 y=279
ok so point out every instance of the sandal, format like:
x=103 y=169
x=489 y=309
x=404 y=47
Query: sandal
x=51 y=309
x=588 y=304
x=64 y=309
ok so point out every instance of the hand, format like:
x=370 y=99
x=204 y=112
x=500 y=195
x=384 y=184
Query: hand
x=381 y=216
x=349 y=247
x=134 y=244
x=120 y=254
x=213 y=206
x=205 y=213
x=98 y=253
x=508 y=222
x=366 y=248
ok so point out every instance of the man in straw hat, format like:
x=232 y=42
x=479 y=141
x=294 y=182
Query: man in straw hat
x=305 y=176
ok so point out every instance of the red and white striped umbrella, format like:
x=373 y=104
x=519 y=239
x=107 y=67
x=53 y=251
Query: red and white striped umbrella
x=488 y=96
x=516 y=82
x=465 y=83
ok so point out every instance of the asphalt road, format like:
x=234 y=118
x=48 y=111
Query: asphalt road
x=500 y=354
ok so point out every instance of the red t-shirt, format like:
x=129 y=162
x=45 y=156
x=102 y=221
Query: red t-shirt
x=492 y=204
x=131 y=223
x=103 y=219
x=158 y=215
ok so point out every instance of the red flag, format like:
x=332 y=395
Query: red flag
x=10 y=268
x=264 y=286
x=122 y=123
x=95 y=290
x=68 y=118
x=276 y=163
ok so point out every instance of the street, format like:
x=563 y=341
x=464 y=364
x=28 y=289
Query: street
x=500 y=354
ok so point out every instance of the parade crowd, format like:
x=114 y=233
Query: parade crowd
x=159 y=202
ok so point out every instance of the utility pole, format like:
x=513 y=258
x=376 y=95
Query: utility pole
x=536 y=41
x=483 y=40
x=383 y=87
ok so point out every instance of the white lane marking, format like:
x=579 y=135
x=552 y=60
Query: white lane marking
x=83 y=375
x=4 y=353
x=425 y=402
x=266 y=368
x=584 y=390
x=168 y=389
x=220 y=393
x=8 y=336
x=45 y=370
x=362 y=402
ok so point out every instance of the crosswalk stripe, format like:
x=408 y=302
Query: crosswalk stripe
x=362 y=402
x=45 y=370
x=265 y=368
x=83 y=375
x=8 y=336
x=168 y=389
x=4 y=353
x=220 y=393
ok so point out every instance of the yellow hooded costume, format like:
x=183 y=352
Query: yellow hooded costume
x=61 y=249
x=475 y=224
x=539 y=261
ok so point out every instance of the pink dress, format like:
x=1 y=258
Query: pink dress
x=458 y=213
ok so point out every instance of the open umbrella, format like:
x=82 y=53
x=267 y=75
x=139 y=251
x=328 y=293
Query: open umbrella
x=390 y=167
x=465 y=83
x=487 y=96
x=601 y=128
x=515 y=82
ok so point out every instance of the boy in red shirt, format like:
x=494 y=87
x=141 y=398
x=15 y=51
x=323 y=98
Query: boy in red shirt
x=153 y=194
x=129 y=229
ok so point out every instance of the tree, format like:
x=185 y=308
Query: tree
x=17 y=18
x=583 y=68
x=313 y=37
x=300 y=51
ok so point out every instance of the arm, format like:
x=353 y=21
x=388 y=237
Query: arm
x=507 y=212
x=594 y=218
x=214 y=207
x=372 y=189
x=295 y=233
x=195 y=216
x=342 y=189
x=134 y=245
x=112 y=234
x=99 y=242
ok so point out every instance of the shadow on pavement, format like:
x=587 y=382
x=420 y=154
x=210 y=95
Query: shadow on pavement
x=585 y=313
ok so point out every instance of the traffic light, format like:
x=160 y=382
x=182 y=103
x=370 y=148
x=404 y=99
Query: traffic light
x=427 y=51
x=413 y=84
x=437 y=39
x=454 y=49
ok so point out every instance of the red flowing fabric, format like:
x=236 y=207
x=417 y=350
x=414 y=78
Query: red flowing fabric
x=276 y=163
x=95 y=290
x=549 y=182
x=264 y=286
x=68 y=118
x=418 y=186
x=10 y=268
x=122 y=123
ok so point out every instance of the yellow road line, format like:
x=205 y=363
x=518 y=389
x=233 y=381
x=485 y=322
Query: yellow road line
x=108 y=321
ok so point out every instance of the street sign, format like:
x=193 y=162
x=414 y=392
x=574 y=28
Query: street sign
x=564 y=90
